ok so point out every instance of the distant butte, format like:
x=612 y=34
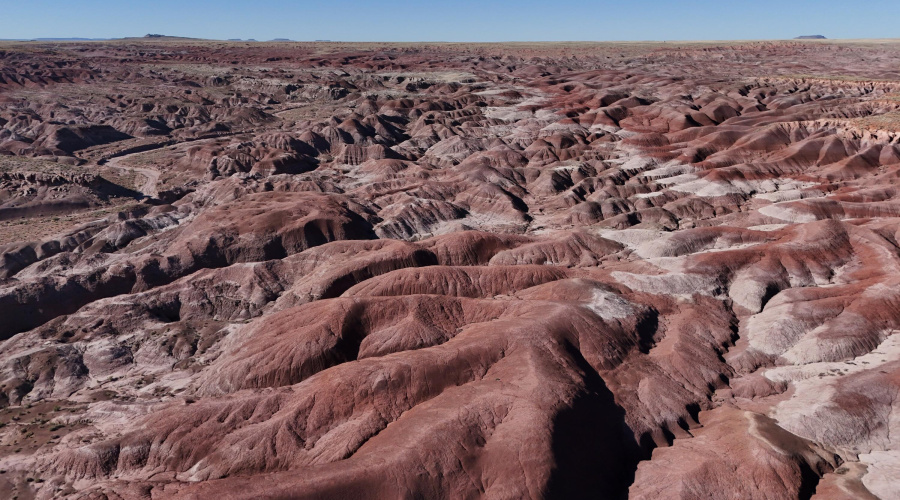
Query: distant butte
x=373 y=270
x=810 y=37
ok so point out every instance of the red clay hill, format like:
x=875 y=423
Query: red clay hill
x=285 y=270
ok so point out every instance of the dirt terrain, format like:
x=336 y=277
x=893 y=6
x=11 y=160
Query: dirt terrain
x=331 y=270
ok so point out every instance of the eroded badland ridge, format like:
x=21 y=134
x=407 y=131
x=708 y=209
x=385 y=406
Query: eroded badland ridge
x=234 y=270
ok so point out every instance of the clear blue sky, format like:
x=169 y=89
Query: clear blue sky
x=465 y=20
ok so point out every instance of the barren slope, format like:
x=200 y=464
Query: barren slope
x=234 y=270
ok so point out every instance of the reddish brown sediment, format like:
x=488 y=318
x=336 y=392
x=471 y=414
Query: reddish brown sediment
x=233 y=270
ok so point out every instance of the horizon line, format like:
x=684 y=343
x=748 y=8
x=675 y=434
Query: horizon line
x=289 y=40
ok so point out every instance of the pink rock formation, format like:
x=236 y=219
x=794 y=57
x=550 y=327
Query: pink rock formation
x=449 y=271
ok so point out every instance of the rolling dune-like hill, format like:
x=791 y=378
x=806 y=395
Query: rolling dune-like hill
x=560 y=270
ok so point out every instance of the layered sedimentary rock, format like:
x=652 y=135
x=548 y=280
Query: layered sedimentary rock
x=455 y=271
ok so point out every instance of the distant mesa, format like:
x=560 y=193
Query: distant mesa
x=810 y=37
x=282 y=40
x=157 y=36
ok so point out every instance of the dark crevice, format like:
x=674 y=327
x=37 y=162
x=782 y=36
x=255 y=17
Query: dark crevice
x=595 y=452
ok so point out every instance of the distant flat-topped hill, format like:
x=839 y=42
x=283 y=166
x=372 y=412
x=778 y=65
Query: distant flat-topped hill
x=810 y=37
